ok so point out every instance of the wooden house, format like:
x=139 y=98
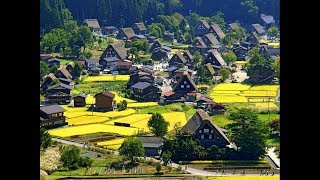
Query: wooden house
x=91 y=63
x=208 y=105
x=205 y=130
x=185 y=85
x=144 y=91
x=126 y=33
x=79 y=100
x=114 y=50
x=232 y=26
x=59 y=93
x=52 y=115
x=269 y=51
x=217 y=32
x=210 y=40
x=70 y=67
x=63 y=73
x=139 y=28
x=240 y=51
x=108 y=30
x=47 y=81
x=161 y=54
x=105 y=101
x=181 y=39
x=267 y=21
x=254 y=38
x=53 y=61
x=257 y=28
x=210 y=69
x=123 y=66
x=152 y=145
x=215 y=59
x=177 y=60
x=201 y=28
x=155 y=44
x=93 y=23
x=65 y=81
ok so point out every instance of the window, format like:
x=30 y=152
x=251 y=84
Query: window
x=211 y=131
x=188 y=86
x=184 y=82
x=200 y=131
x=218 y=137
x=182 y=86
x=210 y=136
x=202 y=136
x=206 y=130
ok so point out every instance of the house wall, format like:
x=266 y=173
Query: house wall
x=200 y=30
x=204 y=136
x=212 y=60
x=79 y=101
x=104 y=102
x=184 y=87
x=151 y=151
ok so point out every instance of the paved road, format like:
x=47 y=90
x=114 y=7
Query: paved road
x=89 y=153
x=273 y=156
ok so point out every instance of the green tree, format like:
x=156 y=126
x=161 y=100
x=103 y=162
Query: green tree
x=76 y=71
x=70 y=157
x=44 y=70
x=183 y=26
x=157 y=125
x=54 y=41
x=54 y=69
x=131 y=147
x=273 y=32
x=156 y=29
x=84 y=36
x=259 y=65
x=188 y=38
x=140 y=45
x=158 y=167
x=166 y=156
x=196 y=60
x=218 y=19
x=122 y=105
x=248 y=133
x=45 y=138
x=203 y=75
x=229 y=57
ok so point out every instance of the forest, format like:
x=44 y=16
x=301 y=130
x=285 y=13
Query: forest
x=123 y=13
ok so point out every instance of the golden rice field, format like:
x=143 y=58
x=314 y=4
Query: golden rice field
x=237 y=93
x=110 y=114
x=114 y=147
x=142 y=104
x=275 y=177
x=131 y=119
x=265 y=105
x=107 y=77
x=231 y=87
x=111 y=142
x=203 y=86
x=229 y=98
x=92 y=100
x=86 y=120
x=173 y=118
x=93 y=128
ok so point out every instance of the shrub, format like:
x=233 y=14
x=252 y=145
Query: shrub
x=185 y=107
x=176 y=108
x=169 y=168
x=85 y=162
x=150 y=162
x=179 y=168
x=166 y=157
x=158 y=167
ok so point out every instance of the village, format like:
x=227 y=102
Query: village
x=199 y=89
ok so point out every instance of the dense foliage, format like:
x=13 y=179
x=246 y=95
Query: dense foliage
x=131 y=147
x=126 y=12
x=157 y=125
x=45 y=138
x=248 y=133
x=70 y=156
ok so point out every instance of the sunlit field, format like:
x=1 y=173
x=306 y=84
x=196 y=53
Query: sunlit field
x=107 y=77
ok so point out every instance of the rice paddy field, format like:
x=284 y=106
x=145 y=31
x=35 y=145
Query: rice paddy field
x=93 y=128
x=142 y=104
x=107 y=77
x=242 y=93
x=131 y=119
x=113 y=144
x=276 y=177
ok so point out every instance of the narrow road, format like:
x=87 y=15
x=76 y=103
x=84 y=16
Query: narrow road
x=68 y=142
x=273 y=156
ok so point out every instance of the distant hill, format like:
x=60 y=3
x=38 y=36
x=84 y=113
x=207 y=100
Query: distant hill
x=125 y=12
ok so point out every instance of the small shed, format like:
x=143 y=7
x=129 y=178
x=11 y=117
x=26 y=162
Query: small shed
x=79 y=100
